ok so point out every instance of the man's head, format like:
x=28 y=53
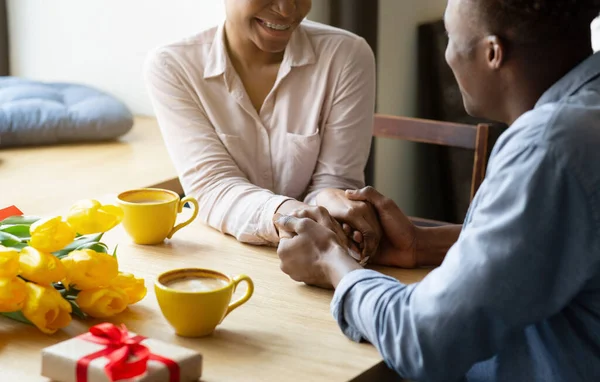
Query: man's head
x=267 y=23
x=495 y=44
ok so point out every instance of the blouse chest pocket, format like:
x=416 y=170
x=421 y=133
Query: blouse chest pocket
x=300 y=157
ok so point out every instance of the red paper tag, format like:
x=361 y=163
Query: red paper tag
x=9 y=211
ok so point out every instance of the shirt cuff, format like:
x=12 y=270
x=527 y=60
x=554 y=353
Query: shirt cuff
x=266 y=228
x=343 y=290
x=311 y=198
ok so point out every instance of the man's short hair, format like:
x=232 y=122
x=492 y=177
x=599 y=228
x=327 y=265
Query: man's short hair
x=536 y=20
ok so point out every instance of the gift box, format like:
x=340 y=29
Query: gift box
x=109 y=353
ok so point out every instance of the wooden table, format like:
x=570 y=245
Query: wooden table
x=40 y=179
x=284 y=333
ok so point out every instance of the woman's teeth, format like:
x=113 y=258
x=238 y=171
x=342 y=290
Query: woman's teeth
x=276 y=27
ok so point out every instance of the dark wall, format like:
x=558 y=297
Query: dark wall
x=4 y=71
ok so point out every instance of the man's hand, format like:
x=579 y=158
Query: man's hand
x=399 y=245
x=359 y=219
x=313 y=254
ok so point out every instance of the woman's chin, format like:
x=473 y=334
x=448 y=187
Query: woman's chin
x=270 y=46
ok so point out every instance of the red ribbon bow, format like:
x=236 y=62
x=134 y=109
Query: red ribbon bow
x=9 y=211
x=127 y=357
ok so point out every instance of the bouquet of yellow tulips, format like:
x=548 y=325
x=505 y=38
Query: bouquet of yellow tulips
x=55 y=267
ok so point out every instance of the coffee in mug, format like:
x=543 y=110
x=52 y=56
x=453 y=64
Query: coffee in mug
x=197 y=284
x=195 y=301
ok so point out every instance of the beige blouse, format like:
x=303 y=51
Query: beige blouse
x=313 y=130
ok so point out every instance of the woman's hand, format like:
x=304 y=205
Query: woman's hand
x=399 y=245
x=359 y=219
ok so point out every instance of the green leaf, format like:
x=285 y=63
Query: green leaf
x=82 y=240
x=17 y=316
x=27 y=220
x=8 y=239
x=69 y=294
x=77 y=312
x=96 y=246
x=114 y=254
x=19 y=230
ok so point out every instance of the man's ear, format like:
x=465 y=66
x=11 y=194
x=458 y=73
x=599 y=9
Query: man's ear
x=496 y=52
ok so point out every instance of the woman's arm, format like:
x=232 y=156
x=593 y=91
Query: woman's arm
x=345 y=148
x=228 y=201
x=349 y=126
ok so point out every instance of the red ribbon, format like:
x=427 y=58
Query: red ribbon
x=9 y=211
x=127 y=357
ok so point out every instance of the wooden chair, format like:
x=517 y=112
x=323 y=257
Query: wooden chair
x=473 y=137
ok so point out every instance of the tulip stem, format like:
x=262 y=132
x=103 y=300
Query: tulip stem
x=76 y=310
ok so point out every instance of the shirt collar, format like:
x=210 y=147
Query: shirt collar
x=217 y=57
x=582 y=74
x=299 y=52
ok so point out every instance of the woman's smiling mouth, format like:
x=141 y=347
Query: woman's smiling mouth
x=274 y=26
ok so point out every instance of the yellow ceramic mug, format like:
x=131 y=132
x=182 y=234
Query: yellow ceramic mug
x=194 y=301
x=151 y=213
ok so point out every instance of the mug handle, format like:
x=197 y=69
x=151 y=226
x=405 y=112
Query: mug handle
x=246 y=297
x=179 y=209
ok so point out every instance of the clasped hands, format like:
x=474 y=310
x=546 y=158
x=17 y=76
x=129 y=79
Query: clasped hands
x=319 y=245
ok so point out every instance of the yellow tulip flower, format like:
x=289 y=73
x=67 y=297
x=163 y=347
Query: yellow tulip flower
x=46 y=308
x=90 y=216
x=41 y=267
x=9 y=262
x=132 y=286
x=50 y=235
x=102 y=302
x=13 y=292
x=88 y=269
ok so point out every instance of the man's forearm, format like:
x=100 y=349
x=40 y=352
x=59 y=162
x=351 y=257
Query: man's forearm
x=339 y=265
x=434 y=242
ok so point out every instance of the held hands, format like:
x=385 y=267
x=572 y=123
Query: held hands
x=358 y=218
x=398 y=247
x=320 y=215
x=314 y=247
x=311 y=253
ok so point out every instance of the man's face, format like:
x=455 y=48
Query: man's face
x=467 y=56
x=267 y=23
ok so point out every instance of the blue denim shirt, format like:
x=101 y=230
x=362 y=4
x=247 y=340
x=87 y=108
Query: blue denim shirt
x=517 y=297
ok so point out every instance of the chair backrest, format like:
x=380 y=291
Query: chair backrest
x=474 y=137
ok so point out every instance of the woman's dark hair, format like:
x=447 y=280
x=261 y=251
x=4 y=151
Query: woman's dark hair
x=537 y=20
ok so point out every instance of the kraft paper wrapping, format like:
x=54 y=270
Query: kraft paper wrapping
x=59 y=361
